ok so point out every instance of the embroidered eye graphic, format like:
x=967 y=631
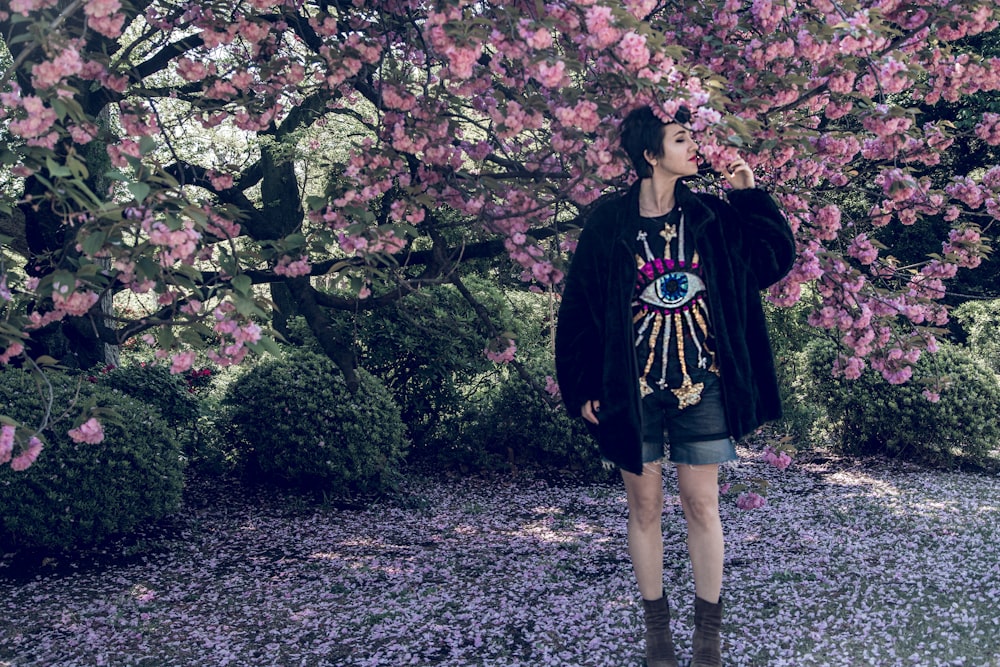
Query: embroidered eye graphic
x=672 y=290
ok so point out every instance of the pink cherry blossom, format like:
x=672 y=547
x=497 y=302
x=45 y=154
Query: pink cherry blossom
x=500 y=350
x=50 y=72
x=6 y=443
x=750 y=500
x=779 y=460
x=13 y=349
x=89 y=431
x=287 y=267
x=76 y=304
x=181 y=362
x=27 y=457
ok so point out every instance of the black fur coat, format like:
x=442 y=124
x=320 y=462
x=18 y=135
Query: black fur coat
x=745 y=246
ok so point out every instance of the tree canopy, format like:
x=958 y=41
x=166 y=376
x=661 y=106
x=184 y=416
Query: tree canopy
x=193 y=151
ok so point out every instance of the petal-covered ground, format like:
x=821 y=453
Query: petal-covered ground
x=846 y=565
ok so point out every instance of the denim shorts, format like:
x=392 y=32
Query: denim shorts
x=696 y=435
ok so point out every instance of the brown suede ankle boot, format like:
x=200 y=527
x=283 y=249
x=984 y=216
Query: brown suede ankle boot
x=706 y=641
x=659 y=641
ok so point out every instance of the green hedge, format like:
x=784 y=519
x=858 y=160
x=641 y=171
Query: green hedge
x=79 y=494
x=980 y=321
x=871 y=416
x=292 y=421
x=154 y=385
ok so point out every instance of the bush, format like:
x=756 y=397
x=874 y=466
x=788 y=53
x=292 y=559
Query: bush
x=790 y=333
x=980 y=321
x=80 y=494
x=292 y=421
x=153 y=384
x=871 y=416
x=184 y=401
x=513 y=425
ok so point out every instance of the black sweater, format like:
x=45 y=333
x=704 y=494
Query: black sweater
x=745 y=246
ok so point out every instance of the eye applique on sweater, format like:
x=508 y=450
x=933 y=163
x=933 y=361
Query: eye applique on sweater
x=670 y=311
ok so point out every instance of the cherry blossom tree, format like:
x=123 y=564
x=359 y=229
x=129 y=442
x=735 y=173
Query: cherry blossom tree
x=384 y=143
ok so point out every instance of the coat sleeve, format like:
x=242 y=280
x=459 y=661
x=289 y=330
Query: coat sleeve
x=579 y=330
x=767 y=240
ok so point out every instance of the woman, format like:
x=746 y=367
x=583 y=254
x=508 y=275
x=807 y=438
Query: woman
x=662 y=348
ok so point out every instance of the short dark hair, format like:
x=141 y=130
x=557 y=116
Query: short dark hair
x=642 y=131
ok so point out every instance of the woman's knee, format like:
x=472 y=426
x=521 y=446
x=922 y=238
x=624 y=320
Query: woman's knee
x=646 y=509
x=702 y=509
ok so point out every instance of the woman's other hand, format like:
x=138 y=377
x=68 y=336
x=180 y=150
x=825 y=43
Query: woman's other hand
x=590 y=410
x=739 y=174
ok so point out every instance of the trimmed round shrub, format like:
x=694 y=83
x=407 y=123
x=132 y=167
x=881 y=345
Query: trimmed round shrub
x=80 y=494
x=293 y=421
x=871 y=416
x=154 y=385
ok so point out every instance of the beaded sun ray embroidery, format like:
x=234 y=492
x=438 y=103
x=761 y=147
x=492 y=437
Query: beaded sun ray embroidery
x=671 y=297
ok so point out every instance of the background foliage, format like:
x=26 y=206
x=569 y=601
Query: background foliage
x=871 y=416
x=293 y=421
x=82 y=493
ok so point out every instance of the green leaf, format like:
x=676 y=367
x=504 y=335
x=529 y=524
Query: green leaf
x=295 y=241
x=63 y=282
x=76 y=166
x=147 y=145
x=266 y=344
x=139 y=190
x=94 y=242
x=316 y=203
x=241 y=284
x=57 y=170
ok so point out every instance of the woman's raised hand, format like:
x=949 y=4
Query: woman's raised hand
x=739 y=174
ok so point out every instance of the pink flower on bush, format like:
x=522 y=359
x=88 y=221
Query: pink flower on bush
x=931 y=396
x=24 y=460
x=291 y=269
x=750 y=501
x=50 y=72
x=220 y=181
x=76 y=304
x=181 y=362
x=551 y=386
x=633 y=50
x=89 y=431
x=13 y=350
x=495 y=353
x=6 y=443
x=989 y=129
x=862 y=249
x=37 y=121
x=600 y=31
x=101 y=7
x=27 y=6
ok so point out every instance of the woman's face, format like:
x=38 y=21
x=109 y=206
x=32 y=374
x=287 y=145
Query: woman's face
x=679 y=153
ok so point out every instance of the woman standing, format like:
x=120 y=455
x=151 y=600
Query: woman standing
x=662 y=348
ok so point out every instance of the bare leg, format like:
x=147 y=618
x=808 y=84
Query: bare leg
x=645 y=532
x=699 y=491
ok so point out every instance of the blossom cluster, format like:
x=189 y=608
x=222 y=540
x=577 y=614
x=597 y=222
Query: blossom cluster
x=501 y=350
x=27 y=455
